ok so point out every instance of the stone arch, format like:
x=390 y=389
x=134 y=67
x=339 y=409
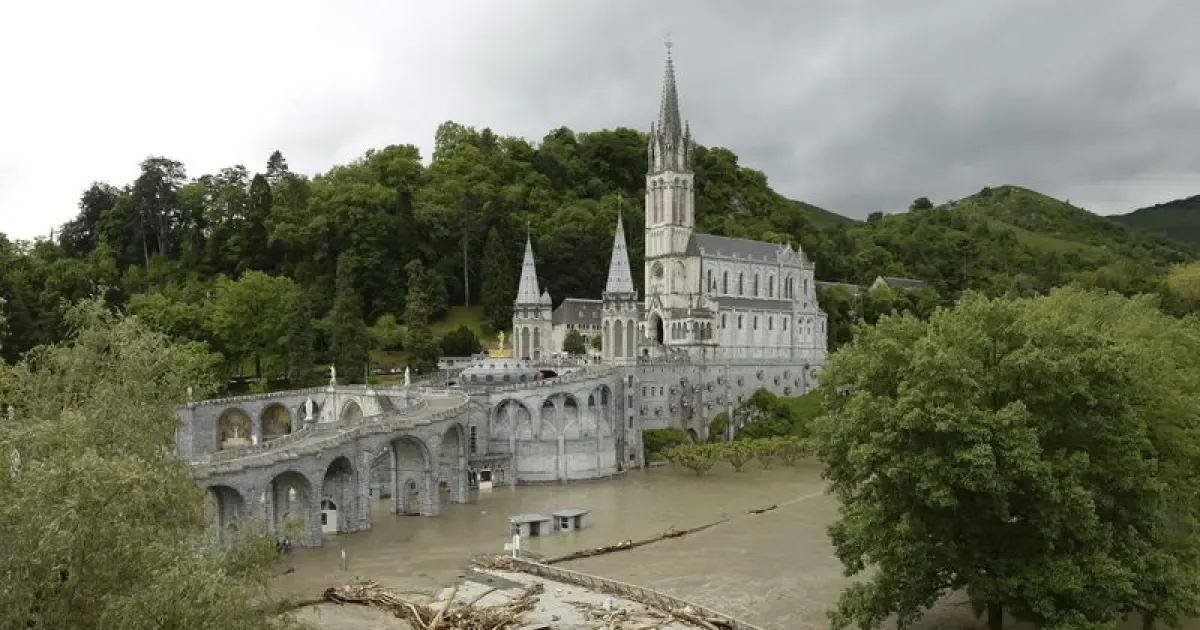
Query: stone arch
x=351 y=412
x=452 y=469
x=339 y=498
x=276 y=421
x=548 y=414
x=618 y=338
x=507 y=416
x=228 y=510
x=293 y=509
x=602 y=410
x=571 y=426
x=233 y=429
x=412 y=462
x=655 y=325
x=693 y=436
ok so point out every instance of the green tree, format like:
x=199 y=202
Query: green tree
x=301 y=339
x=460 y=342
x=738 y=453
x=698 y=458
x=349 y=338
x=419 y=340
x=388 y=333
x=574 y=343
x=103 y=526
x=999 y=449
x=499 y=285
x=249 y=318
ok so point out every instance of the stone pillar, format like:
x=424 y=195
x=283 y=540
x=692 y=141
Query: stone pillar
x=364 y=490
x=269 y=509
x=256 y=428
x=312 y=535
x=460 y=491
x=431 y=495
x=397 y=483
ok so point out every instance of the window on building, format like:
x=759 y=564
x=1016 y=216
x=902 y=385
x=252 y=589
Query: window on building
x=755 y=285
x=473 y=438
x=806 y=286
x=739 y=322
x=785 y=321
x=770 y=323
x=770 y=286
x=724 y=324
x=741 y=282
x=725 y=282
x=755 y=322
x=643 y=391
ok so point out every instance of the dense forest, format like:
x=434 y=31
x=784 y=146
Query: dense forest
x=1178 y=219
x=279 y=271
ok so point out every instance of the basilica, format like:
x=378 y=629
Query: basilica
x=746 y=307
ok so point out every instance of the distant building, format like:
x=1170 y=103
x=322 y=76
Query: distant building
x=903 y=284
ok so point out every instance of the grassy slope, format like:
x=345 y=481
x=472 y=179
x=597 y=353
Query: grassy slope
x=1178 y=219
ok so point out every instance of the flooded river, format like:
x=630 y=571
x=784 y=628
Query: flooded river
x=775 y=569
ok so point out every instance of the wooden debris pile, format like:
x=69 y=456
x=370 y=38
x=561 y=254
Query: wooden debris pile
x=443 y=615
x=617 y=618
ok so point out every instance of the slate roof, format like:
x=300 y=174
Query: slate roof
x=710 y=245
x=902 y=283
x=578 y=311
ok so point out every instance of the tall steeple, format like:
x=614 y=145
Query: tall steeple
x=527 y=291
x=620 y=279
x=671 y=139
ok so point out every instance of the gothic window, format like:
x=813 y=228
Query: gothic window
x=739 y=322
x=755 y=285
x=725 y=282
x=756 y=322
x=741 y=279
x=770 y=323
x=473 y=439
x=723 y=321
x=785 y=321
x=711 y=285
x=770 y=286
x=806 y=286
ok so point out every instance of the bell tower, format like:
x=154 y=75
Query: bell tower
x=670 y=194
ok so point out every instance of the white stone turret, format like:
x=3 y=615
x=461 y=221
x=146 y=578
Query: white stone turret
x=619 y=312
x=533 y=324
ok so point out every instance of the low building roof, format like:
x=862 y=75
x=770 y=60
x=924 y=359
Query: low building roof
x=529 y=518
x=570 y=512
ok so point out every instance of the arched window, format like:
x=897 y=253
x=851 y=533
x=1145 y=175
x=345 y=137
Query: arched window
x=785 y=321
x=711 y=286
x=741 y=281
x=806 y=287
x=770 y=323
x=725 y=282
x=739 y=322
x=770 y=286
x=755 y=285
x=723 y=321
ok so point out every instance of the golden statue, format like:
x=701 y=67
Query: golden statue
x=500 y=352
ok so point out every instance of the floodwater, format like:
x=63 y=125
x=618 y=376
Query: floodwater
x=775 y=569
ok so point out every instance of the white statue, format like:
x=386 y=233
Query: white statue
x=12 y=413
x=308 y=410
x=14 y=463
x=501 y=340
x=189 y=393
x=333 y=375
x=407 y=376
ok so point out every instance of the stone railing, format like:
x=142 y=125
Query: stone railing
x=638 y=594
x=230 y=401
x=582 y=374
x=330 y=436
x=305 y=432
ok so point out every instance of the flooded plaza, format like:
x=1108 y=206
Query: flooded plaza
x=776 y=569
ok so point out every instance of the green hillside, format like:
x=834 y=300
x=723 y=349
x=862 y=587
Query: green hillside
x=820 y=217
x=1178 y=219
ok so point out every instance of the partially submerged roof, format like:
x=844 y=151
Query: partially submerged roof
x=570 y=512
x=529 y=518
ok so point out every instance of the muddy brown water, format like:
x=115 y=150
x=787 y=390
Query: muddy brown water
x=775 y=569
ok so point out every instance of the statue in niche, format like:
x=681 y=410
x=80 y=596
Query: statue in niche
x=407 y=376
x=308 y=410
x=333 y=375
x=501 y=339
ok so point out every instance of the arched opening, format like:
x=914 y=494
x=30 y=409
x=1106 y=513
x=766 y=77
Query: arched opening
x=549 y=414
x=693 y=436
x=292 y=500
x=413 y=477
x=276 y=422
x=452 y=472
x=570 y=421
x=227 y=509
x=618 y=338
x=338 y=489
x=656 y=325
x=537 y=344
x=548 y=373
x=629 y=338
x=351 y=412
x=233 y=429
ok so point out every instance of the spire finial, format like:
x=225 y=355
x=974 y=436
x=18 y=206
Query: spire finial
x=669 y=43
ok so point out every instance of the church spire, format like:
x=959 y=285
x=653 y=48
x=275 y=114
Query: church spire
x=620 y=279
x=670 y=139
x=670 y=123
x=527 y=292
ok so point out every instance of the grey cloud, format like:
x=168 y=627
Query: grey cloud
x=855 y=105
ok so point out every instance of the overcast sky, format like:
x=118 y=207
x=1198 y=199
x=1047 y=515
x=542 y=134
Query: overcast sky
x=854 y=105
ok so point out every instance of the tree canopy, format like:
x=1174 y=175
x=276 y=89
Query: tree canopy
x=1039 y=454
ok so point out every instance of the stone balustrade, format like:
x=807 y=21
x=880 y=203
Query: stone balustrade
x=578 y=375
